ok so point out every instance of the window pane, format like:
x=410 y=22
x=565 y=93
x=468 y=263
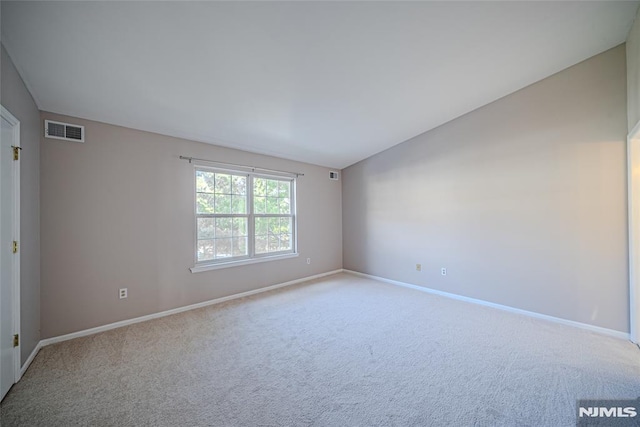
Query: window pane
x=284 y=205
x=262 y=226
x=239 y=246
x=261 y=244
x=223 y=204
x=204 y=182
x=204 y=203
x=205 y=250
x=285 y=242
x=259 y=205
x=284 y=189
x=206 y=228
x=272 y=188
x=285 y=225
x=260 y=187
x=274 y=225
x=274 y=243
x=272 y=205
x=239 y=227
x=239 y=204
x=223 y=248
x=223 y=227
x=273 y=234
x=239 y=185
x=223 y=183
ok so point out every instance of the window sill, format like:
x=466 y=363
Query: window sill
x=217 y=266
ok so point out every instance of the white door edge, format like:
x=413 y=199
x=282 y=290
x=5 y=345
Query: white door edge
x=633 y=200
x=4 y=113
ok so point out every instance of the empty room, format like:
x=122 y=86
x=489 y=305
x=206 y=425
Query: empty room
x=320 y=213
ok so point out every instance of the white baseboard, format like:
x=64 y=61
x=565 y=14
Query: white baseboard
x=84 y=333
x=593 y=328
x=32 y=356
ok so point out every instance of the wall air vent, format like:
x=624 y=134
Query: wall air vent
x=65 y=131
x=334 y=175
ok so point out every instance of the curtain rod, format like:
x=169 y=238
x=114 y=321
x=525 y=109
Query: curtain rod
x=253 y=168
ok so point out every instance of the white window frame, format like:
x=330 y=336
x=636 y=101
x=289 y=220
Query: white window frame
x=252 y=257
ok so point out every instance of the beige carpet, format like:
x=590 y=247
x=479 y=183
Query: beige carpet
x=341 y=351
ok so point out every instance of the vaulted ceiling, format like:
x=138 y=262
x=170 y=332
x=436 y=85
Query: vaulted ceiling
x=328 y=83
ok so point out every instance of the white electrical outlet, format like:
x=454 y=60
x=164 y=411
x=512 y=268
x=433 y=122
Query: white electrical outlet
x=308 y=260
x=418 y=267
x=443 y=271
x=123 y=293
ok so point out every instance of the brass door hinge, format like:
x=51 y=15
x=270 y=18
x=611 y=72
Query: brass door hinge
x=16 y=152
x=15 y=247
x=16 y=340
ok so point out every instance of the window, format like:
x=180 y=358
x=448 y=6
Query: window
x=243 y=216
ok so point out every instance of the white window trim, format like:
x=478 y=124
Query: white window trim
x=216 y=266
x=249 y=259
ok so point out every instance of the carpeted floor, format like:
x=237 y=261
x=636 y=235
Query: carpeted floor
x=341 y=351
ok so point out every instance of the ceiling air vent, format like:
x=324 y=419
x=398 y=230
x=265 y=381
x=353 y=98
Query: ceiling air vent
x=65 y=131
x=334 y=175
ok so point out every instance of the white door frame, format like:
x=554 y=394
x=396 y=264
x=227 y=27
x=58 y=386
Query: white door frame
x=633 y=188
x=15 y=123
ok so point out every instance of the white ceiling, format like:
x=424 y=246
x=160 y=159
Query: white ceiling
x=328 y=83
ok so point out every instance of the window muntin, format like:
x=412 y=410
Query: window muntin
x=243 y=216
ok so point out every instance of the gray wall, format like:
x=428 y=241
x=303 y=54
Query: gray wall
x=117 y=211
x=522 y=200
x=633 y=74
x=15 y=97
